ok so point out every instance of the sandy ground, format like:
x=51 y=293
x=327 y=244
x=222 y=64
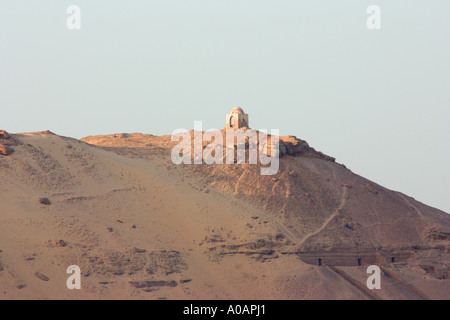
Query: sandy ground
x=140 y=227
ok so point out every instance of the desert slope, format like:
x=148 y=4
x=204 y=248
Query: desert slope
x=141 y=227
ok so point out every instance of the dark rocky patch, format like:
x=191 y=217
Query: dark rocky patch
x=45 y=201
x=41 y=276
x=150 y=286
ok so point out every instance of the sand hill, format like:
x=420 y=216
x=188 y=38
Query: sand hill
x=140 y=227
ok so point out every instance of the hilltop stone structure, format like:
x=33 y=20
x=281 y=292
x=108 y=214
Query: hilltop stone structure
x=237 y=119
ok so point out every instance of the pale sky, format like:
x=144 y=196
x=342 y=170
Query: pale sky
x=377 y=100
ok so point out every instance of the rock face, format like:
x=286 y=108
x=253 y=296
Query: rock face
x=5 y=150
x=293 y=146
x=4 y=134
x=6 y=141
x=290 y=146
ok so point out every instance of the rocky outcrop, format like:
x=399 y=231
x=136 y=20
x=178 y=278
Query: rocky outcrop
x=293 y=146
x=5 y=150
x=6 y=143
x=4 y=134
